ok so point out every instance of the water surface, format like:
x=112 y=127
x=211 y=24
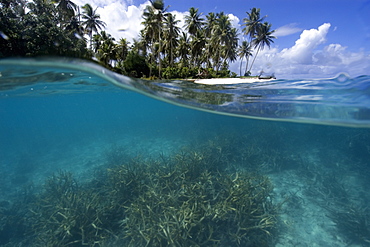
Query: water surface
x=74 y=116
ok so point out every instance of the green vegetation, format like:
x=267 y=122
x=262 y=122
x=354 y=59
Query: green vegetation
x=40 y=28
x=204 y=49
x=192 y=198
x=65 y=214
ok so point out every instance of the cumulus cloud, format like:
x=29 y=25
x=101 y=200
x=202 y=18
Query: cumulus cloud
x=308 y=59
x=123 y=19
x=181 y=17
x=335 y=58
x=287 y=30
x=122 y=22
x=234 y=21
x=302 y=51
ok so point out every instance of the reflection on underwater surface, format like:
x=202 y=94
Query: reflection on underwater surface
x=339 y=101
x=130 y=169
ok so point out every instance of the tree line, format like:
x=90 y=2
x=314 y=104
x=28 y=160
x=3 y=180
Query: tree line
x=204 y=47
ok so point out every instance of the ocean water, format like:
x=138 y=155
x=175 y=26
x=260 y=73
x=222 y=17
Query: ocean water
x=68 y=127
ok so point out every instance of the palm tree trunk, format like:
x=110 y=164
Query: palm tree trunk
x=246 y=66
x=159 y=52
x=172 y=59
x=151 y=58
x=240 y=69
x=254 y=59
x=91 y=41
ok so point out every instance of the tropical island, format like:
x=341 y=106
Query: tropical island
x=203 y=48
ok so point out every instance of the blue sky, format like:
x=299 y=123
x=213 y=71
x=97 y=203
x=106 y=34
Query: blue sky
x=315 y=38
x=349 y=18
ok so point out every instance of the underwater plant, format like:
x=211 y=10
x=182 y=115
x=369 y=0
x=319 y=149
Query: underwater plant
x=66 y=214
x=353 y=223
x=195 y=197
x=184 y=203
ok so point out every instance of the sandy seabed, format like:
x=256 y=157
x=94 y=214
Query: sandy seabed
x=303 y=222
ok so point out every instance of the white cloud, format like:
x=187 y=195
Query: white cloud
x=234 y=21
x=287 y=30
x=181 y=17
x=119 y=15
x=123 y=15
x=303 y=49
x=123 y=19
x=307 y=58
x=335 y=58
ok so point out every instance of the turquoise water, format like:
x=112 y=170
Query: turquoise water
x=311 y=138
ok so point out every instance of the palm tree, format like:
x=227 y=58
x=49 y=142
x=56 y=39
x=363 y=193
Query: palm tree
x=171 y=34
x=231 y=45
x=96 y=42
x=122 y=49
x=219 y=32
x=251 y=24
x=140 y=45
x=105 y=48
x=157 y=4
x=66 y=9
x=153 y=22
x=91 y=21
x=210 y=24
x=245 y=50
x=121 y=52
x=197 y=46
x=183 y=49
x=148 y=34
x=74 y=27
x=193 y=21
x=209 y=28
x=263 y=38
x=224 y=41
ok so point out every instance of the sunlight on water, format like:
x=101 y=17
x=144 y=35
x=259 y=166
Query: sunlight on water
x=340 y=101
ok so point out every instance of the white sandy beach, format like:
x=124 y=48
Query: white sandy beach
x=215 y=81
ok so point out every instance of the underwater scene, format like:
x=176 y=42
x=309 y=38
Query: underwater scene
x=92 y=158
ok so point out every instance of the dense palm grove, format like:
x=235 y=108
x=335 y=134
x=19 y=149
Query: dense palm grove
x=204 y=47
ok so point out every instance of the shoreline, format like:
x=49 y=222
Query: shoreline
x=215 y=81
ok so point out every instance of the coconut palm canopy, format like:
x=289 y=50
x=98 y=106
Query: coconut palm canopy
x=203 y=47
